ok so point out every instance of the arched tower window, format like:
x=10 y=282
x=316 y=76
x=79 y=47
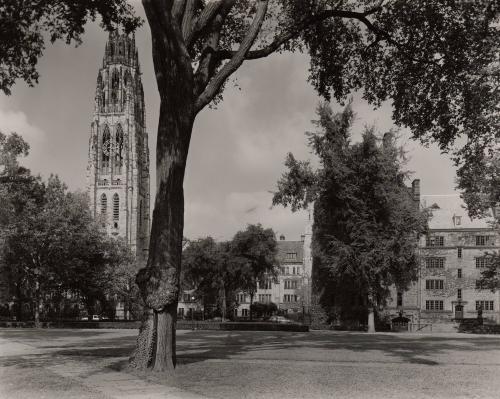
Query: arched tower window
x=119 y=150
x=116 y=207
x=140 y=213
x=115 y=84
x=104 y=204
x=105 y=151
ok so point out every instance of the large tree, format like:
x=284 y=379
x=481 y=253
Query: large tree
x=432 y=58
x=366 y=222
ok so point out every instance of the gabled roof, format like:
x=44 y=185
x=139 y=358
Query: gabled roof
x=285 y=247
x=446 y=208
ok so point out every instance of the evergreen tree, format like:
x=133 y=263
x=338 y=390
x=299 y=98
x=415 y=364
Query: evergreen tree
x=366 y=223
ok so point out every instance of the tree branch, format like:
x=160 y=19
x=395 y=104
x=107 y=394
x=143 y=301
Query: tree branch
x=178 y=9
x=205 y=18
x=188 y=17
x=234 y=63
x=296 y=29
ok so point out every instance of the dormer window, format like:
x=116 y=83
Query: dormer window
x=457 y=220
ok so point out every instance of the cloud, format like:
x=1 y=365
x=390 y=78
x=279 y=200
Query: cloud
x=16 y=121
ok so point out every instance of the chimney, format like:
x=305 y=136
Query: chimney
x=415 y=190
x=387 y=140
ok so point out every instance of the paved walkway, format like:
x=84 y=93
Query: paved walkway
x=89 y=376
x=82 y=364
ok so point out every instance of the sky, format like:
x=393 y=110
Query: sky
x=237 y=150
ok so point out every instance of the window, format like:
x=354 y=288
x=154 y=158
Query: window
x=140 y=213
x=291 y=256
x=434 y=241
x=290 y=298
x=264 y=298
x=482 y=262
x=291 y=284
x=180 y=312
x=485 y=305
x=482 y=241
x=115 y=83
x=265 y=284
x=104 y=204
x=434 y=263
x=105 y=150
x=399 y=301
x=116 y=207
x=434 y=284
x=459 y=252
x=434 y=305
x=457 y=220
x=119 y=150
x=459 y=273
x=244 y=312
x=480 y=285
x=242 y=298
x=459 y=294
x=293 y=270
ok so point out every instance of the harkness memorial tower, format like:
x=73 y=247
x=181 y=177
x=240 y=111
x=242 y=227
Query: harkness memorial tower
x=118 y=160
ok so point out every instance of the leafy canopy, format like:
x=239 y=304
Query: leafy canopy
x=25 y=24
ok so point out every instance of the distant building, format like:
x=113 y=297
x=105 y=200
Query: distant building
x=452 y=258
x=291 y=291
x=118 y=162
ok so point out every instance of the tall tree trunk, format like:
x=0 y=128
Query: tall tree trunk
x=371 y=315
x=37 y=304
x=159 y=280
x=224 y=303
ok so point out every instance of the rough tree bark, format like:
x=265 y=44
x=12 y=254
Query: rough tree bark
x=159 y=280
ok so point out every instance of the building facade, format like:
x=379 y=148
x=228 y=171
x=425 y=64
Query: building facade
x=291 y=290
x=452 y=258
x=118 y=159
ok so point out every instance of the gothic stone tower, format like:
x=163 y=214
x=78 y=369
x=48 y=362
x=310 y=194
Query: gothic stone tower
x=118 y=165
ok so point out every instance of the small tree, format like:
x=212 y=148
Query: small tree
x=365 y=221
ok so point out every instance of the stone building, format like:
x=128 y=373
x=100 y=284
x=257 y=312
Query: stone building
x=118 y=160
x=291 y=291
x=452 y=257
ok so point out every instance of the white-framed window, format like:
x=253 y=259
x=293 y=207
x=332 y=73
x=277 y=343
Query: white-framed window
x=485 y=305
x=482 y=241
x=434 y=262
x=434 y=241
x=244 y=312
x=434 y=284
x=291 y=255
x=482 y=262
x=434 y=305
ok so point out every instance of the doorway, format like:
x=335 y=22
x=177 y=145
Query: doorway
x=459 y=311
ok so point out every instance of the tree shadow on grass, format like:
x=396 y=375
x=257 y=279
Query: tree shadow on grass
x=244 y=346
